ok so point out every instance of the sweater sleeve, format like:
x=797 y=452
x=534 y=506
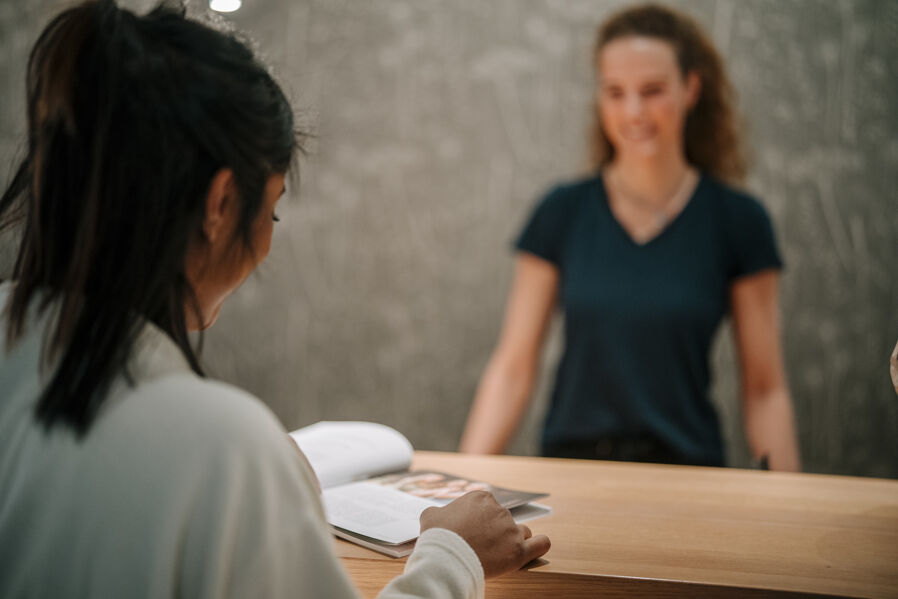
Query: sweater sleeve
x=443 y=565
x=258 y=529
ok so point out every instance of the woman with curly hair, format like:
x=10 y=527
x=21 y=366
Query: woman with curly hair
x=645 y=257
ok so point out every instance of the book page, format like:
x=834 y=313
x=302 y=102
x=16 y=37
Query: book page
x=375 y=511
x=386 y=509
x=443 y=488
x=522 y=513
x=342 y=452
x=400 y=550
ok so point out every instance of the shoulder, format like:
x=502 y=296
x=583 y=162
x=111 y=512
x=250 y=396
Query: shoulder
x=217 y=413
x=564 y=201
x=164 y=413
x=746 y=228
x=217 y=457
x=734 y=204
x=567 y=193
x=180 y=425
x=550 y=221
x=220 y=438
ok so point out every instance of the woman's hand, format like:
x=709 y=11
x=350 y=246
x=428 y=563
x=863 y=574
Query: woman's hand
x=501 y=544
x=767 y=407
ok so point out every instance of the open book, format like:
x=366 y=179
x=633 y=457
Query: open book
x=370 y=497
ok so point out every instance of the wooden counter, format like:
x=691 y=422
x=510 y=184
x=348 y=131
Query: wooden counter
x=662 y=531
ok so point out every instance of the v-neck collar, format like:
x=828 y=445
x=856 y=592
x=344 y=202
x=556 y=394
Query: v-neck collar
x=606 y=204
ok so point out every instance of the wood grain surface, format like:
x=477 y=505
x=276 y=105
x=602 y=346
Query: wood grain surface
x=662 y=531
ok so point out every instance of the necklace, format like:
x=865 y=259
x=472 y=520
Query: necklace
x=661 y=215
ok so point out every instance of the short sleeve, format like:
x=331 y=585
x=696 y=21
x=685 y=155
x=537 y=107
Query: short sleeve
x=543 y=233
x=751 y=237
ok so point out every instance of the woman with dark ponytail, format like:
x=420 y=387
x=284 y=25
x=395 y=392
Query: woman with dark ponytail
x=157 y=152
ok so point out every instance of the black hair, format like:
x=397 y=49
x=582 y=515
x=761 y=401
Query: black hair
x=129 y=119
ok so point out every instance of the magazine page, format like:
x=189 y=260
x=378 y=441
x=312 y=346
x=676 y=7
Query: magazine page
x=442 y=488
x=375 y=511
x=522 y=513
x=400 y=550
x=342 y=452
x=386 y=509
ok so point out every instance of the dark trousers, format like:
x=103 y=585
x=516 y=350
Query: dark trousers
x=621 y=448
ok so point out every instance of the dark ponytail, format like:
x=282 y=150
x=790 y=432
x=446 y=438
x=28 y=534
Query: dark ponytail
x=129 y=118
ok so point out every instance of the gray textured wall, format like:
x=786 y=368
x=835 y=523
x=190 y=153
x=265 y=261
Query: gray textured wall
x=439 y=123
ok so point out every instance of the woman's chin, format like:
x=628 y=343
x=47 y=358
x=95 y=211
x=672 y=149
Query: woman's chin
x=645 y=150
x=208 y=319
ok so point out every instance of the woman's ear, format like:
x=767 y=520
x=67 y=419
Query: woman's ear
x=693 y=89
x=220 y=206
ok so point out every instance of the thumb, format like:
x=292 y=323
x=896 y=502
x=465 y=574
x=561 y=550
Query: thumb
x=535 y=547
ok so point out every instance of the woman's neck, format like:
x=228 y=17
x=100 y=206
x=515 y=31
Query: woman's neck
x=651 y=180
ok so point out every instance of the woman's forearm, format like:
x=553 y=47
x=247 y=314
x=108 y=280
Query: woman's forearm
x=770 y=428
x=499 y=404
x=505 y=386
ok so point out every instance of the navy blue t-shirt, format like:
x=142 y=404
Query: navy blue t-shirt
x=639 y=319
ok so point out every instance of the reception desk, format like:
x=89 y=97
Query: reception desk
x=674 y=531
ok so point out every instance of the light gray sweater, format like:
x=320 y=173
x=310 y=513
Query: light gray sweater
x=183 y=487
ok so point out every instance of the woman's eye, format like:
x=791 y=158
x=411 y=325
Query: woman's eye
x=275 y=218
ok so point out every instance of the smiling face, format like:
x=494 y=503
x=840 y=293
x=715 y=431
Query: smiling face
x=643 y=97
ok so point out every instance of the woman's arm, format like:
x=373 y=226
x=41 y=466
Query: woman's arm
x=766 y=405
x=507 y=381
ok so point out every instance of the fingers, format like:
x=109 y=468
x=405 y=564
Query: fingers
x=500 y=543
x=481 y=495
x=427 y=516
x=535 y=547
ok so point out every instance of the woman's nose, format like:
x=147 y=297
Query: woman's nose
x=633 y=105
